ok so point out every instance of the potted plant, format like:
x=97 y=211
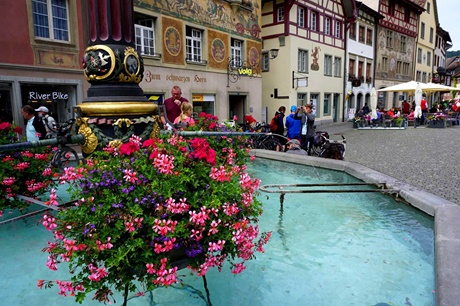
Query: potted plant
x=143 y=205
x=437 y=120
x=25 y=173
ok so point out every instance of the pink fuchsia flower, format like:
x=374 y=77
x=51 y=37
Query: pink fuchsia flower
x=130 y=176
x=22 y=166
x=238 y=268
x=164 y=163
x=8 y=181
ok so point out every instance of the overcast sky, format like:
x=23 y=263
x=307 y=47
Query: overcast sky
x=448 y=14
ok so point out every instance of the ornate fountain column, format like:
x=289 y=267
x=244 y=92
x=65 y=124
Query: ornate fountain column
x=115 y=107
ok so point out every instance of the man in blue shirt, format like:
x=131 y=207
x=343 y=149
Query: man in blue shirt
x=293 y=125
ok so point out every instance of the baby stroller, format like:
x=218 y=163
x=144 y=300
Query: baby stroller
x=333 y=149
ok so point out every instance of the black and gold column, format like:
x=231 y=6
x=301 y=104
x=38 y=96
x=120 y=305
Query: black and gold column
x=115 y=108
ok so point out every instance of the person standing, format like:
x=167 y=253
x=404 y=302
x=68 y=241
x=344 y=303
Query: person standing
x=172 y=106
x=277 y=127
x=424 y=107
x=293 y=125
x=307 y=119
x=48 y=121
x=35 y=130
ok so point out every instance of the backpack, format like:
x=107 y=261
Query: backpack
x=273 y=124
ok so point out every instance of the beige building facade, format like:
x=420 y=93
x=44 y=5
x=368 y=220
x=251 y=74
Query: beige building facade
x=310 y=66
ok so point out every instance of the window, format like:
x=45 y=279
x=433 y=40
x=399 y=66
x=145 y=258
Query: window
x=302 y=60
x=389 y=39
x=328 y=65
x=326 y=107
x=384 y=64
x=301 y=99
x=422 y=30
x=369 y=37
x=314 y=21
x=399 y=67
x=419 y=55
x=265 y=61
x=406 y=68
x=368 y=70
x=280 y=14
x=352 y=34
x=314 y=101
x=428 y=7
x=338 y=67
x=51 y=19
x=301 y=17
x=428 y=58
x=431 y=35
x=406 y=15
x=360 y=70
x=338 y=29
x=236 y=50
x=424 y=77
x=403 y=44
x=327 y=26
x=351 y=67
x=361 y=34
x=193 y=45
x=145 y=37
x=391 y=7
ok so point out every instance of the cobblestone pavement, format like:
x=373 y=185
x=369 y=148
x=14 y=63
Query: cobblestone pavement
x=422 y=157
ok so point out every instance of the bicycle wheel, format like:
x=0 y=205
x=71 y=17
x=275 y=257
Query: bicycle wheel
x=271 y=143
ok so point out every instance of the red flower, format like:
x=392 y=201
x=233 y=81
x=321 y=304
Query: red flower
x=149 y=143
x=129 y=148
x=5 y=126
x=18 y=130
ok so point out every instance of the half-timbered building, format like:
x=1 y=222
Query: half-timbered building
x=311 y=40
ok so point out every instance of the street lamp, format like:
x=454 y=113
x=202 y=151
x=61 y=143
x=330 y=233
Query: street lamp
x=273 y=53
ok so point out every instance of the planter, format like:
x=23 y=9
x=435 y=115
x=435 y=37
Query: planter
x=437 y=124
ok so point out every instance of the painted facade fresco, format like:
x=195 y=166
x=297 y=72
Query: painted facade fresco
x=173 y=50
x=238 y=18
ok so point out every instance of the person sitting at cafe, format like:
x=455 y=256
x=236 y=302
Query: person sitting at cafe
x=434 y=108
x=405 y=107
x=390 y=113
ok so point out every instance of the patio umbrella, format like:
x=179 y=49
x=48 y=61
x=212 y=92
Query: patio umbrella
x=418 y=101
x=403 y=87
x=374 y=103
x=433 y=87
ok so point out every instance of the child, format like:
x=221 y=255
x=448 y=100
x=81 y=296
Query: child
x=185 y=118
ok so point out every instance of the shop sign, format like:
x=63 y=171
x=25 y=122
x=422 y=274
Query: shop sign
x=197 y=98
x=55 y=95
x=245 y=71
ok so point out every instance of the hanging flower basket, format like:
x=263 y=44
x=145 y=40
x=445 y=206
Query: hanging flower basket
x=142 y=203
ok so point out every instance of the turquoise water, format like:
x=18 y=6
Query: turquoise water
x=326 y=249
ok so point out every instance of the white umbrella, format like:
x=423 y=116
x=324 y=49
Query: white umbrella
x=418 y=101
x=403 y=87
x=433 y=87
x=374 y=103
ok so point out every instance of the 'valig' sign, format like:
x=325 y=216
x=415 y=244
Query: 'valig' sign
x=245 y=71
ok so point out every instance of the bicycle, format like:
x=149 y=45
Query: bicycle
x=333 y=149
x=319 y=141
x=265 y=140
x=63 y=154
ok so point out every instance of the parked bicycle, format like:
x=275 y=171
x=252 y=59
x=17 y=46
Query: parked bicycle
x=333 y=149
x=64 y=154
x=265 y=140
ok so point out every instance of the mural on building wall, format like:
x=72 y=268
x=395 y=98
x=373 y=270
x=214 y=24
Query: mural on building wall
x=218 y=49
x=236 y=16
x=173 y=51
x=315 y=55
x=394 y=55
